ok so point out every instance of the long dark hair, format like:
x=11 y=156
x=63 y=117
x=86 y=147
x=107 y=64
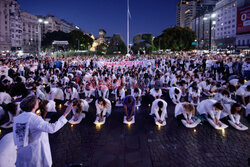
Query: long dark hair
x=233 y=109
x=103 y=101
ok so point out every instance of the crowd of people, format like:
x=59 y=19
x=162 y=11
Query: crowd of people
x=213 y=88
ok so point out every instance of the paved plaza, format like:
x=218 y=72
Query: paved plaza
x=144 y=144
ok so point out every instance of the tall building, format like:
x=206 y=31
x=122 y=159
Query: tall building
x=243 y=26
x=225 y=25
x=30 y=32
x=16 y=25
x=186 y=12
x=5 y=42
x=56 y=24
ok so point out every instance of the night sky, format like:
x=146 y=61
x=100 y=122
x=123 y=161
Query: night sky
x=148 y=16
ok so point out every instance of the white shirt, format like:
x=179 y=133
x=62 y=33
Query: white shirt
x=101 y=108
x=206 y=107
x=155 y=110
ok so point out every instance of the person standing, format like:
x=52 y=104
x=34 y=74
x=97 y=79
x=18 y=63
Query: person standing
x=30 y=133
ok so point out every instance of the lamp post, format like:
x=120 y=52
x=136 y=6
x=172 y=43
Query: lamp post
x=40 y=21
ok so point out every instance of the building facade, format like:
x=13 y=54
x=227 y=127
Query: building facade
x=16 y=26
x=186 y=12
x=243 y=26
x=30 y=32
x=5 y=42
x=225 y=27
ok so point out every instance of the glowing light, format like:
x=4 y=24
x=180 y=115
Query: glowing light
x=195 y=131
x=213 y=15
x=60 y=106
x=40 y=20
x=72 y=126
x=0 y=131
x=245 y=81
x=223 y=132
x=149 y=105
x=129 y=124
x=15 y=98
x=38 y=112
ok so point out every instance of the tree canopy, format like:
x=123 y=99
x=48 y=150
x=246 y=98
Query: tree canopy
x=176 y=39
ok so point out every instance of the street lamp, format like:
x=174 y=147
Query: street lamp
x=40 y=21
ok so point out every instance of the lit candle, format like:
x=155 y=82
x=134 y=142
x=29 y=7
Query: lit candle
x=38 y=112
x=0 y=131
x=15 y=98
x=245 y=81
x=60 y=106
x=149 y=105
x=71 y=125
x=223 y=132
x=129 y=124
x=195 y=131
x=159 y=127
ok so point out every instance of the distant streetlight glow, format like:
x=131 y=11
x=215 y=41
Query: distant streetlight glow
x=205 y=18
x=40 y=20
x=213 y=15
x=46 y=22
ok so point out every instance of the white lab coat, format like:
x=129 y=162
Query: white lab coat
x=175 y=97
x=101 y=108
x=206 y=107
x=155 y=109
x=72 y=95
x=179 y=109
x=33 y=146
x=5 y=98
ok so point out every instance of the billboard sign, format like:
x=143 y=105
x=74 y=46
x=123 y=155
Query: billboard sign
x=243 y=19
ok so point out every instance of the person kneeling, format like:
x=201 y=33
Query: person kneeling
x=159 y=109
x=235 y=114
x=103 y=109
x=211 y=110
x=129 y=104
x=186 y=113
x=80 y=107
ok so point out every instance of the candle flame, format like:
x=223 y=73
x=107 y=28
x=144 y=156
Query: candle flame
x=223 y=132
x=195 y=131
x=71 y=125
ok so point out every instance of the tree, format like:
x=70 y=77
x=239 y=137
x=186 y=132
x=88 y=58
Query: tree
x=143 y=42
x=116 y=44
x=54 y=36
x=79 y=40
x=176 y=39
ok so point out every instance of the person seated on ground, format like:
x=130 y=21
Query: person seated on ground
x=30 y=134
x=5 y=98
x=129 y=104
x=89 y=91
x=103 y=91
x=80 y=108
x=159 y=109
x=137 y=95
x=235 y=114
x=103 y=108
x=205 y=86
x=210 y=108
x=119 y=95
x=71 y=93
x=7 y=114
x=156 y=92
x=184 y=111
x=175 y=94
x=242 y=94
x=55 y=94
x=194 y=95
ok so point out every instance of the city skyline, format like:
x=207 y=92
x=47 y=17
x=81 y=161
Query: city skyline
x=145 y=19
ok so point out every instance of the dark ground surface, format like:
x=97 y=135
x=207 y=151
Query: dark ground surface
x=143 y=144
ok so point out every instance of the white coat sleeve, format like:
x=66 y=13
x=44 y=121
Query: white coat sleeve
x=231 y=116
x=45 y=126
